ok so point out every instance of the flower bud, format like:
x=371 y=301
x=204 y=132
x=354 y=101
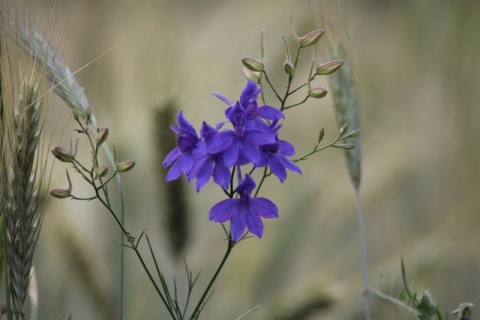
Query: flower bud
x=63 y=193
x=317 y=93
x=76 y=115
x=88 y=114
x=60 y=193
x=102 y=136
x=253 y=64
x=311 y=38
x=62 y=154
x=288 y=66
x=346 y=146
x=102 y=171
x=352 y=134
x=329 y=67
x=125 y=166
x=252 y=75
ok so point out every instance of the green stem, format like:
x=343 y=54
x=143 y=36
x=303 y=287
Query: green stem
x=196 y=311
x=363 y=254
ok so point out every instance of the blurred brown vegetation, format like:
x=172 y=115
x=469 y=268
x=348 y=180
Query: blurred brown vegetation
x=417 y=70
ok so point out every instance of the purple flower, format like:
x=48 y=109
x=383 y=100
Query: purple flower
x=245 y=211
x=248 y=101
x=181 y=157
x=275 y=156
x=240 y=146
x=208 y=164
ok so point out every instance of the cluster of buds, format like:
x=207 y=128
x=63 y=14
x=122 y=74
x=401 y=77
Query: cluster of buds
x=95 y=172
x=254 y=69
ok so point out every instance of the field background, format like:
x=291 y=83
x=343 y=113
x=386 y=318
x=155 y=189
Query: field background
x=417 y=70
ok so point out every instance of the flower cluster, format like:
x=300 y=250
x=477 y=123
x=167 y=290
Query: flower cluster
x=218 y=152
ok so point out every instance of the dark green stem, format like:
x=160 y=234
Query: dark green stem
x=198 y=307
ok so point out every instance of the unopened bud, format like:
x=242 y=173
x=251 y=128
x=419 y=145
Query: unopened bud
x=252 y=75
x=321 y=134
x=288 y=66
x=60 y=193
x=102 y=136
x=344 y=128
x=62 y=154
x=102 y=171
x=347 y=146
x=63 y=193
x=317 y=93
x=125 y=166
x=76 y=115
x=253 y=64
x=352 y=134
x=311 y=38
x=88 y=114
x=329 y=67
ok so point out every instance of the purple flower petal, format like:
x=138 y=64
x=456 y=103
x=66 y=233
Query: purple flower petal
x=221 y=174
x=277 y=167
x=185 y=125
x=230 y=155
x=259 y=137
x=249 y=93
x=250 y=152
x=286 y=148
x=221 y=141
x=270 y=113
x=289 y=164
x=204 y=174
x=223 y=98
x=238 y=224
x=171 y=157
x=224 y=210
x=176 y=169
x=264 y=208
x=254 y=223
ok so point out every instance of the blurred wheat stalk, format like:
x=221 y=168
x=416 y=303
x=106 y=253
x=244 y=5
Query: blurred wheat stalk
x=330 y=14
x=23 y=167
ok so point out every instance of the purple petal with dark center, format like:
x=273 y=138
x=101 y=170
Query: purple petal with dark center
x=187 y=143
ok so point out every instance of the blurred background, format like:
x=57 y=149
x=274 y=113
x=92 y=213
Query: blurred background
x=417 y=71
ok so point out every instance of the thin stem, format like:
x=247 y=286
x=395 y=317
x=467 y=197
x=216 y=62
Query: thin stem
x=363 y=253
x=196 y=311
